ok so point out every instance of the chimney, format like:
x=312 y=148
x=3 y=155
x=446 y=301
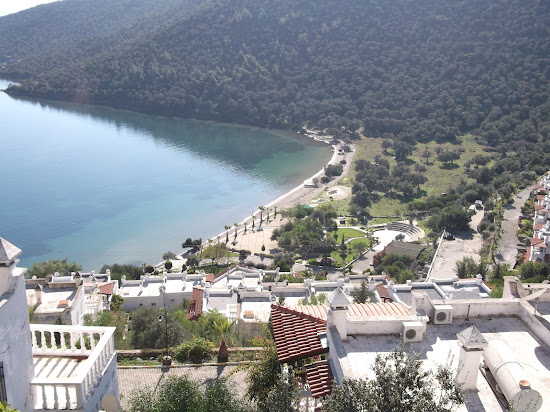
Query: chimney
x=338 y=311
x=38 y=293
x=472 y=345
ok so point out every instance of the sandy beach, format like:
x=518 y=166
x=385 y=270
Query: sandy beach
x=254 y=240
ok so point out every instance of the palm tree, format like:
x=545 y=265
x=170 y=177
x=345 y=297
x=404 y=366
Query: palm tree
x=222 y=328
x=236 y=226
x=262 y=208
x=275 y=207
x=227 y=233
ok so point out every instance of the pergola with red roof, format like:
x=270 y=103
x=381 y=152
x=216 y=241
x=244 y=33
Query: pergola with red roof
x=296 y=334
x=297 y=337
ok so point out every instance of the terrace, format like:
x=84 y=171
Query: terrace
x=75 y=368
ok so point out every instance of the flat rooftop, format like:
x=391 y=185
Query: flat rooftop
x=151 y=288
x=53 y=300
x=440 y=343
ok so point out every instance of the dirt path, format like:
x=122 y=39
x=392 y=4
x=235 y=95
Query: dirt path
x=507 y=249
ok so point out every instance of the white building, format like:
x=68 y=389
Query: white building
x=47 y=367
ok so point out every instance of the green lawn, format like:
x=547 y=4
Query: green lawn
x=351 y=255
x=349 y=233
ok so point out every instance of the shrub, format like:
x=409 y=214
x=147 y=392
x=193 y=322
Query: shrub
x=195 y=350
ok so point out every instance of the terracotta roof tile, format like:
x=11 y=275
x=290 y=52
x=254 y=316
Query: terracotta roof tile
x=318 y=311
x=384 y=293
x=106 y=288
x=296 y=334
x=541 y=197
x=319 y=377
x=538 y=243
x=539 y=226
x=195 y=306
x=210 y=277
x=360 y=310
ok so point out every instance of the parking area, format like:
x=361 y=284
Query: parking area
x=465 y=244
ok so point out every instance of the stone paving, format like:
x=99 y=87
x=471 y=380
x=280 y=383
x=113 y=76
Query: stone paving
x=132 y=378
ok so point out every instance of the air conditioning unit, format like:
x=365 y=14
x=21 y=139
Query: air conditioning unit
x=443 y=314
x=413 y=331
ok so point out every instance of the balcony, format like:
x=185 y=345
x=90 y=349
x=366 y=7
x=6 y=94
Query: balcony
x=75 y=368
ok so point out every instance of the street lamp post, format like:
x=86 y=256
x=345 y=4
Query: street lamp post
x=166 y=360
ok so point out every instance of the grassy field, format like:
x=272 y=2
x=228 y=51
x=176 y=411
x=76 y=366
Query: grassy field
x=439 y=176
x=349 y=233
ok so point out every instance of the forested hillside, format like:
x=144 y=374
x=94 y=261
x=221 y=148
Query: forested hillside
x=54 y=36
x=411 y=70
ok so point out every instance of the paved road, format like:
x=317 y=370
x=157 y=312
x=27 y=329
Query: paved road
x=507 y=250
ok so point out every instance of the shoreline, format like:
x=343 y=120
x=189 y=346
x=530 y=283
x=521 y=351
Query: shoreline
x=299 y=194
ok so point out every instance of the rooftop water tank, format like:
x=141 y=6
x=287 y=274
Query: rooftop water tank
x=511 y=378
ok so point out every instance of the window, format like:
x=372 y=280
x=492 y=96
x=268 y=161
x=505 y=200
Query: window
x=172 y=300
x=153 y=304
x=141 y=304
x=3 y=395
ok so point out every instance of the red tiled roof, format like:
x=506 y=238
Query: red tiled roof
x=541 y=197
x=319 y=377
x=106 y=288
x=210 y=277
x=384 y=293
x=538 y=243
x=318 y=311
x=296 y=334
x=539 y=208
x=538 y=186
x=360 y=310
x=539 y=226
x=195 y=306
x=527 y=254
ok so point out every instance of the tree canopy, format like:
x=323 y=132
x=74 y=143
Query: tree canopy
x=49 y=267
x=400 y=384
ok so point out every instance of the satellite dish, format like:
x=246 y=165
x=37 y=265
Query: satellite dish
x=56 y=274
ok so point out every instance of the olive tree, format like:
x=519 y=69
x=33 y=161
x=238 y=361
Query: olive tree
x=400 y=384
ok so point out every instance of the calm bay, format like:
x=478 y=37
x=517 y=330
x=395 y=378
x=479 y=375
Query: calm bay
x=99 y=186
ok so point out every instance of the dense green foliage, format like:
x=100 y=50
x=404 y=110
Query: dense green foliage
x=535 y=272
x=467 y=268
x=194 y=350
x=181 y=394
x=400 y=384
x=419 y=70
x=400 y=267
x=63 y=34
x=118 y=270
x=450 y=218
x=362 y=293
x=49 y=267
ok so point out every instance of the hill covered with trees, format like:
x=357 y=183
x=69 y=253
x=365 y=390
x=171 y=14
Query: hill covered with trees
x=413 y=71
x=57 y=35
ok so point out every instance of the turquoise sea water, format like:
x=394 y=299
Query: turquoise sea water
x=99 y=186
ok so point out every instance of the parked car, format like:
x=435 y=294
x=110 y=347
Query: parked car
x=448 y=236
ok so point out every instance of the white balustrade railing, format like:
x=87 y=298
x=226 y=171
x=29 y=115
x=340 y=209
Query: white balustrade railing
x=94 y=343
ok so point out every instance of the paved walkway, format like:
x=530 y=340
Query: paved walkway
x=507 y=249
